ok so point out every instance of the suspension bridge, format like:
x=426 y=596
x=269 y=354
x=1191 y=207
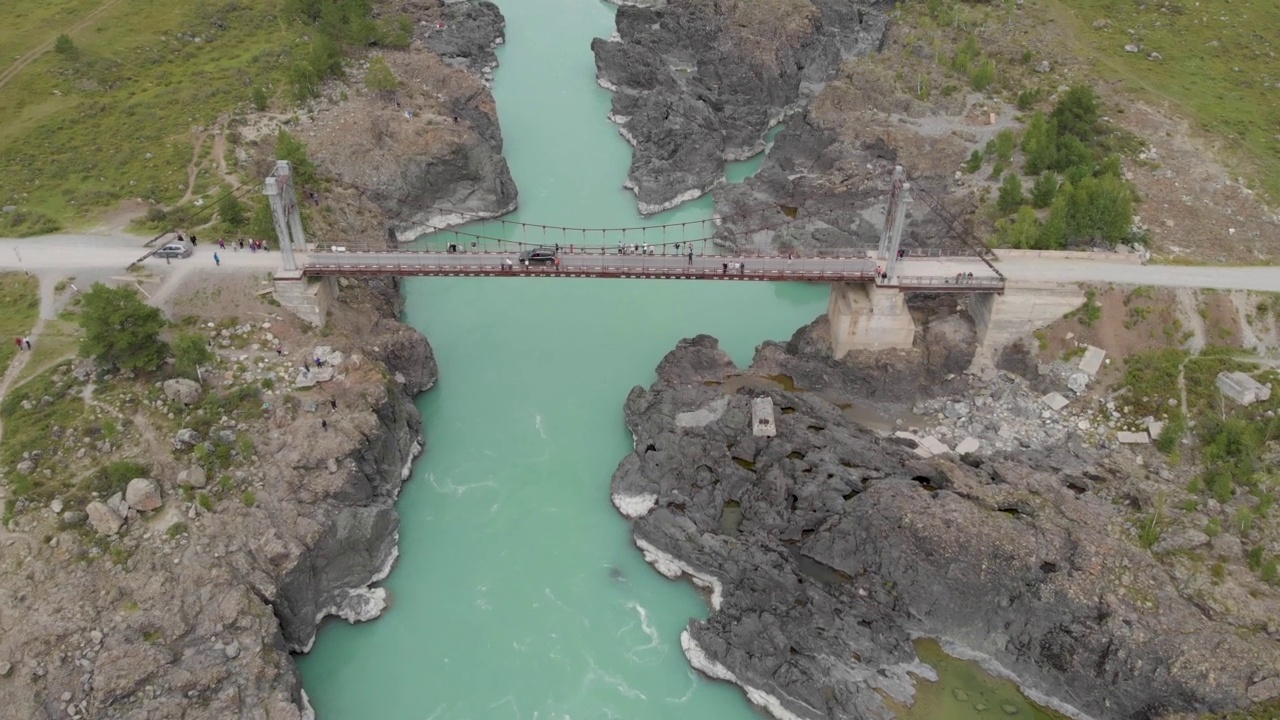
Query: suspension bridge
x=672 y=251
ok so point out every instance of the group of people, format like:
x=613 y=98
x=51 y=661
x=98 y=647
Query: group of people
x=23 y=343
x=238 y=245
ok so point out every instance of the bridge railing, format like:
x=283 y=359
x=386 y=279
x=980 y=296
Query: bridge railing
x=949 y=281
x=671 y=266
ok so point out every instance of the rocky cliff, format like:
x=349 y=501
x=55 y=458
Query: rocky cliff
x=268 y=511
x=825 y=549
x=697 y=83
x=429 y=153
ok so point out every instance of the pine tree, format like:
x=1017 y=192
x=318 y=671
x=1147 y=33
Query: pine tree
x=1043 y=192
x=1011 y=197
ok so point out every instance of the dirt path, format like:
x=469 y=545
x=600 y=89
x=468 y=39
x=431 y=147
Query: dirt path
x=12 y=71
x=193 y=169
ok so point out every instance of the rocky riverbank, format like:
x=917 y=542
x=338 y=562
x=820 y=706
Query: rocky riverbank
x=427 y=154
x=827 y=547
x=257 y=503
x=697 y=84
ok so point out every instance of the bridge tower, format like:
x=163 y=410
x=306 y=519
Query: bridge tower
x=895 y=219
x=308 y=299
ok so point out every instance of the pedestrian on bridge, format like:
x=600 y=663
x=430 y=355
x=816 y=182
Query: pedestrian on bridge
x=724 y=268
x=690 y=256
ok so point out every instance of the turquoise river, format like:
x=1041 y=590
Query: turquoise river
x=518 y=592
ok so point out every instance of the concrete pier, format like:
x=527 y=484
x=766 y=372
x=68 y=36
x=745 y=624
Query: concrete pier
x=308 y=298
x=865 y=317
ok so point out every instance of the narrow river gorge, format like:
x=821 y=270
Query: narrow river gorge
x=518 y=592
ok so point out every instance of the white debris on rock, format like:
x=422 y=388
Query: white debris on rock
x=703 y=416
x=762 y=424
x=1092 y=360
x=1055 y=400
x=635 y=506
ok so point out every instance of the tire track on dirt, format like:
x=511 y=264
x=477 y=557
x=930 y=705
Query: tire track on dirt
x=12 y=71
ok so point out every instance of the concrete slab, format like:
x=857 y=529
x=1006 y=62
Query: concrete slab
x=1154 y=428
x=1241 y=388
x=934 y=445
x=762 y=417
x=968 y=445
x=1132 y=438
x=1092 y=360
x=1055 y=400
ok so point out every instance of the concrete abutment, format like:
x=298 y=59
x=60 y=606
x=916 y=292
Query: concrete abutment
x=308 y=298
x=1000 y=320
x=865 y=317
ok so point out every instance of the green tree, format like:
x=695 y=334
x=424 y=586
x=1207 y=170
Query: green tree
x=325 y=57
x=1011 y=197
x=189 y=352
x=259 y=98
x=1043 y=192
x=1006 y=143
x=261 y=225
x=290 y=148
x=974 y=163
x=1039 y=145
x=1076 y=113
x=231 y=211
x=120 y=330
x=1021 y=232
x=1070 y=152
x=63 y=45
x=1053 y=234
x=379 y=78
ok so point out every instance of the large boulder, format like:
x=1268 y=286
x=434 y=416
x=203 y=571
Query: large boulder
x=187 y=392
x=193 y=476
x=143 y=494
x=103 y=519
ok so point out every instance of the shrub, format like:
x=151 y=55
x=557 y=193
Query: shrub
x=190 y=351
x=1027 y=99
x=259 y=98
x=379 y=78
x=248 y=498
x=981 y=76
x=63 y=45
x=974 y=163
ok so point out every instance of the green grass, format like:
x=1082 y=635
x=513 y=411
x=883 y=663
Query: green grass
x=20 y=298
x=115 y=120
x=1200 y=52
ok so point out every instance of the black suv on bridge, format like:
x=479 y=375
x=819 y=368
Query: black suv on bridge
x=538 y=256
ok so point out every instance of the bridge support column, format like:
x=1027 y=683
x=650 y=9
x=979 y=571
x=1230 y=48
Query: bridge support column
x=1023 y=308
x=865 y=317
x=308 y=298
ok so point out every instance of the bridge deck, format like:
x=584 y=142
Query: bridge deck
x=934 y=275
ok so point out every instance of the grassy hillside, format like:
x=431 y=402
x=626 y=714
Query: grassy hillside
x=113 y=117
x=1217 y=65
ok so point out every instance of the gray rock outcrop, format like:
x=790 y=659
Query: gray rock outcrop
x=696 y=84
x=182 y=390
x=826 y=548
x=432 y=155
